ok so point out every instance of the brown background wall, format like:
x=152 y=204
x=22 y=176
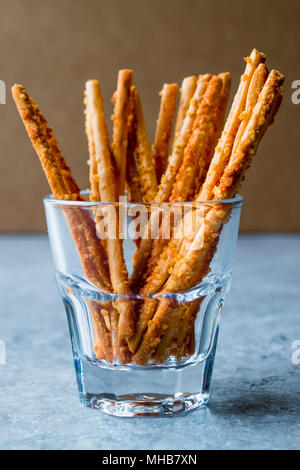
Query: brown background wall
x=53 y=47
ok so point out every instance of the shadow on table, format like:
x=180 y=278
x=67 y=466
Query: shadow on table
x=256 y=399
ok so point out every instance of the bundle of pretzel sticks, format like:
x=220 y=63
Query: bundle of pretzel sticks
x=206 y=161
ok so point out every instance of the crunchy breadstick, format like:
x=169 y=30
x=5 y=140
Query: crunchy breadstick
x=195 y=265
x=160 y=149
x=187 y=91
x=222 y=154
x=219 y=117
x=142 y=254
x=63 y=186
x=120 y=348
x=186 y=327
x=175 y=160
x=40 y=141
x=263 y=114
x=207 y=129
x=81 y=225
x=224 y=147
x=143 y=150
x=265 y=109
x=102 y=336
x=132 y=175
x=108 y=193
x=157 y=327
x=94 y=177
x=168 y=343
x=196 y=151
x=256 y=85
x=120 y=127
x=146 y=314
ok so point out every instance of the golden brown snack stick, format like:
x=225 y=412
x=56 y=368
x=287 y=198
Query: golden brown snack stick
x=132 y=175
x=256 y=85
x=120 y=348
x=156 y=328
x=186 y=328
x=214 y=135
x=102 y=336
x=108 y=193
x=195 y=265
x=168 y=343
x=191 y=173
x=63 y=186
x=160 y=149
x=146 y=313
x=80 y=224
x=222 y=154
x=175 y=160
x=120 y=127
x=263 y=114
x=161 y=320
x=94 y=177
x=147 y=174
x=187 y=91
x=224 y=147
x=197 y=150
x=46 y=153
x=219 y=118
x=143 y=252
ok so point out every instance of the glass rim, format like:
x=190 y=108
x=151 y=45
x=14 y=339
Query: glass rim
x=49 y=199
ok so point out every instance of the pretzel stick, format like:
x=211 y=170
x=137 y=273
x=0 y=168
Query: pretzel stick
x=262 y=116
x=132 y=175
x=186 y=329
x=175 y=160
x=94 y=177
x=187 y=91
x=198 y=153
x=224 y=147
x=120 y=127
x=108 y=193
x=146 y=169
x=160 y=149
x=196 y=150
x=256 y=85
x=63 y=186
x=61 y=182
x=222 y=154
x=142 y=254
x=214 y=135
x=195 y=265
x=102 y=336
x=120 y=348
x=168 y=342
x=175 y=345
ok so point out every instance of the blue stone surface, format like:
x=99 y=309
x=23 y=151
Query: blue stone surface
x=255 y=400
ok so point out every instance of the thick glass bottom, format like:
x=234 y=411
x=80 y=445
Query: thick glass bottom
x=159 y=405
x=132 y=391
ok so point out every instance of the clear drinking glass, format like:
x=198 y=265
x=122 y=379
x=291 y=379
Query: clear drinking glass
x=176 y=375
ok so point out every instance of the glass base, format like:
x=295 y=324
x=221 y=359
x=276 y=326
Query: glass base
x=159 y=405
x=132 y=391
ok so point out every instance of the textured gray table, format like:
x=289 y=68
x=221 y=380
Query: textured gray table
x=255 y=400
